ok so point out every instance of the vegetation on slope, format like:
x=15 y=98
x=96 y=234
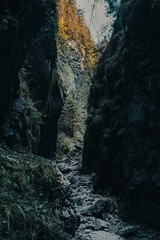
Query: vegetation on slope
x=30 y=188
x=72 y=27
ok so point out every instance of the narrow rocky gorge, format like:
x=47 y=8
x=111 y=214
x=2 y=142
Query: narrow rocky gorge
x=109 y=187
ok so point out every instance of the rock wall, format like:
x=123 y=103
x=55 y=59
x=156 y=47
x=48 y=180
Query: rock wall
x=74 y=74
x=122 y=140
x=30 y=100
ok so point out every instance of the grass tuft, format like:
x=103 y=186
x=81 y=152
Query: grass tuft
x=30 y=192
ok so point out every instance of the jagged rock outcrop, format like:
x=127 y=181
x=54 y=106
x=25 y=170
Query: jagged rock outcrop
x=123 y=127
x=30 y=100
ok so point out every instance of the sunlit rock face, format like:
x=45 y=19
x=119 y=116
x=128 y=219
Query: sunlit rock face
x=30 y=101
x=122 y=140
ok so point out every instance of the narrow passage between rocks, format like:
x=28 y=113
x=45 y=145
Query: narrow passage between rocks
x=98 y=215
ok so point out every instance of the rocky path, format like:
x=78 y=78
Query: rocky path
x=98 y=215
x=93 y=216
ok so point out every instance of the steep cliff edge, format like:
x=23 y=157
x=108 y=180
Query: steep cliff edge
x=123 y=127
x=30 y=100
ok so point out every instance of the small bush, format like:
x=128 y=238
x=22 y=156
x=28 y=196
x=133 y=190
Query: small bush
x=65 y=143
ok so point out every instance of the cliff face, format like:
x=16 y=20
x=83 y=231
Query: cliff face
x=122 y=140
x=76 y=57
x=74 y=80
x=30 y=101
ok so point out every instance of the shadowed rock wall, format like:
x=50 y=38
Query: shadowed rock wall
x=30 y=101
x=122 y=140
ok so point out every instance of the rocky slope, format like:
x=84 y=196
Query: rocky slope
x=98 y=215
x=122 y=137
x=30 y=100
x=34 y=196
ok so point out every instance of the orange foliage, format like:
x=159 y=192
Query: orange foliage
x=72 y=27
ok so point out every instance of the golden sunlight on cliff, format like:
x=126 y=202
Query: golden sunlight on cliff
x=72 y=28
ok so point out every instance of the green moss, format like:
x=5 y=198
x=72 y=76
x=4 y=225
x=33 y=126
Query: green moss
x=29 y=193
x=34 y=115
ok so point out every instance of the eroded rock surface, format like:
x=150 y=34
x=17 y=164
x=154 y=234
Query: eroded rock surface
x=122 y=138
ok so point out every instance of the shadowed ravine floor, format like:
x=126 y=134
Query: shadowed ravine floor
x=32 y=182
x=99 y=219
